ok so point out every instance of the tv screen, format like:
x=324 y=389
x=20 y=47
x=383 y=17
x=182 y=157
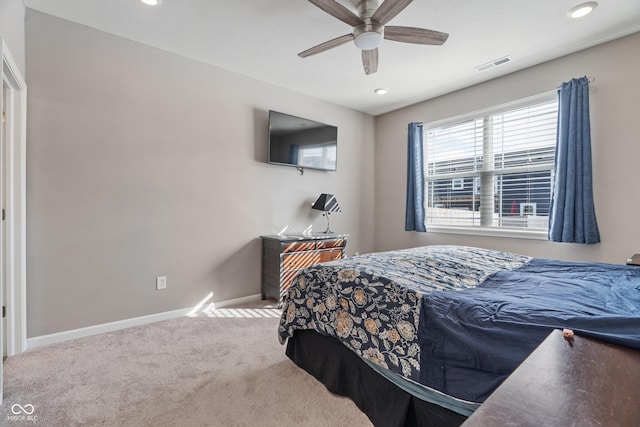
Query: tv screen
x=303 y=143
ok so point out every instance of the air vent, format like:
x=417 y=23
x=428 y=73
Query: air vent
x=494 y=63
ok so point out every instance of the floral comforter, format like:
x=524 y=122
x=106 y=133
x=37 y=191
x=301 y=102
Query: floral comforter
x=371 y=303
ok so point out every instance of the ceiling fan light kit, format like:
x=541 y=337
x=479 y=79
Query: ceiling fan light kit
x=368 y=40
x=369 y=28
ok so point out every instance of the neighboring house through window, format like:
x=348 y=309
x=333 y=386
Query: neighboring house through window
x=492 y=169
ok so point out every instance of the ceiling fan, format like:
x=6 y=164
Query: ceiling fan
x=369 y=28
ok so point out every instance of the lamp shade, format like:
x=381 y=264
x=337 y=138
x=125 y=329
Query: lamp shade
x=326 y=203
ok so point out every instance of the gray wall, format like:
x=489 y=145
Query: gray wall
x=615 y=146
x=142 y=163
x=12 y=30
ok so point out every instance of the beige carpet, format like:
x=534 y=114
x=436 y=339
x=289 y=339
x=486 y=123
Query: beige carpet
x=222 y=369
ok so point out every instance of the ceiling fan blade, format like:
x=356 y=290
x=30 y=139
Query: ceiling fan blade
x=337 y=10
x=414 y=35
x=327 y=45
x=388 y=10
x=370 y=61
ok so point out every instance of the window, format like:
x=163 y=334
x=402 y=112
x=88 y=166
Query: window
x=494 y=169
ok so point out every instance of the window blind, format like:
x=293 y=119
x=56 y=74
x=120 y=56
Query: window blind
x=492 y=169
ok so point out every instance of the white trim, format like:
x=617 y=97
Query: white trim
x=16 y=205
x=491 y=232
x=127 y=323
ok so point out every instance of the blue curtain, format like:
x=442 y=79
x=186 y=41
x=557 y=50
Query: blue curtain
x=572 y=217
x=414 y=219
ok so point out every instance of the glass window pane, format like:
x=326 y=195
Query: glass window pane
x=521 y=144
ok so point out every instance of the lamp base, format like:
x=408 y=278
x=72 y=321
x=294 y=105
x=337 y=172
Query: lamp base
x=328 y=230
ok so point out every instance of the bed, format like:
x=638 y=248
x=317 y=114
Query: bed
x=438 y=328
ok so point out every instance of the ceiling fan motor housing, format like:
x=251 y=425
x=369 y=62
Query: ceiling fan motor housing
x=366 y=8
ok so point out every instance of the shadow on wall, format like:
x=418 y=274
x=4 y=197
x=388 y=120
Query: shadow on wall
x=238 y=275
x=304 y=220
x=261 y=134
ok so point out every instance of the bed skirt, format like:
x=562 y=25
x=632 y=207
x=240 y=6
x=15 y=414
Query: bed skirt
x=344 y=373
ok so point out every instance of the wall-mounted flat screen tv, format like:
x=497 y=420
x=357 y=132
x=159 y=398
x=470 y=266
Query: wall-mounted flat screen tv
x=303 y=143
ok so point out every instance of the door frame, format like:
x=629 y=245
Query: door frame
x=15 y=209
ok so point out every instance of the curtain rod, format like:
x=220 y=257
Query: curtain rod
x=590 y=79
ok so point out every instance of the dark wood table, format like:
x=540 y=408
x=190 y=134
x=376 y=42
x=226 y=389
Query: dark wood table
x=634 y=260
x=581 y=383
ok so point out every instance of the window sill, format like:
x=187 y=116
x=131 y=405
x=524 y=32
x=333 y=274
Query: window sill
x=490 y=232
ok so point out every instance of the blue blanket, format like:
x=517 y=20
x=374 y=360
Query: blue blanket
x=471 y=341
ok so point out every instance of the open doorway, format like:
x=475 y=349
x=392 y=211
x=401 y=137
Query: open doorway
x=13 y=97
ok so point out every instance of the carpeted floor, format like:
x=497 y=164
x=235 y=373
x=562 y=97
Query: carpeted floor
x=224 y=368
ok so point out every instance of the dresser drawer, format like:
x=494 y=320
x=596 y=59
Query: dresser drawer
x=287 y=279
x=331 y=243
x=330 y=255
x=300 y=260
x=298 y=246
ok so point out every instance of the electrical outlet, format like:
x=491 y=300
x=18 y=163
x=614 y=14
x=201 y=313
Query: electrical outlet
x=161 y=282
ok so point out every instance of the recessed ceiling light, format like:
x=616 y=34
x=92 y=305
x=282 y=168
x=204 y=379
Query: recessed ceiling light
x=152 y=2
x=380 y=91
x=582 y=9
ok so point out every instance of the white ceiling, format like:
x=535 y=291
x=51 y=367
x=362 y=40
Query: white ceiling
x=261 y=39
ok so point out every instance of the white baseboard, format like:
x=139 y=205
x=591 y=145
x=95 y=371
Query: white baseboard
x=126 y=323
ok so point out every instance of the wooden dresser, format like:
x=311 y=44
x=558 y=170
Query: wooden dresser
x=283 y=256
